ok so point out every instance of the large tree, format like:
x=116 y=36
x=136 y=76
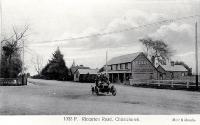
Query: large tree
x=11 y=64
x=157 y=50
x=55 y=68
x=37 y=62
x=11 y=69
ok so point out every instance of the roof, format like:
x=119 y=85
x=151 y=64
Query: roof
x=174 y=68
x=119 y=71
x=124 y=58
x=74 y=68
x=87 y=71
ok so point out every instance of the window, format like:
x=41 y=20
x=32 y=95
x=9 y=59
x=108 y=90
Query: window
x=117 y=65
x=121 y=66
x=172 y=75
x=76 y=75
x=111 y=68
x=183 y=74
x=114 y=67
x=126 y=66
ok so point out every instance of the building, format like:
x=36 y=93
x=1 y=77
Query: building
x=172 y=71
x=135 y=66
x=85 y=75
x=74 y=67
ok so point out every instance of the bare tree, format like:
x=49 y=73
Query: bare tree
x=37 y=62
x=147 y=42
x=157 y=50
x=13 y=44
x=11 y=51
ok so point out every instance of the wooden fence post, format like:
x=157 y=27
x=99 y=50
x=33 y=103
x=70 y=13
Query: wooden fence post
x=188 y=84
x=172 y=84
x=131 y=81
x=147 y=82
x=159 y=82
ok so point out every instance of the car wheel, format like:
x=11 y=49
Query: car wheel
x=114 y=91
x=93 y=90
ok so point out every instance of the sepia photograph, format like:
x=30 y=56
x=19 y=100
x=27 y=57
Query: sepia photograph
x=99 y=57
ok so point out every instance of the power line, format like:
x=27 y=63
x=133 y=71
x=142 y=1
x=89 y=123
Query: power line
x=30 y=52
x=123 y=30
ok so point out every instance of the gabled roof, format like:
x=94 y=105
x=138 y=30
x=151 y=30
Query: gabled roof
x=74 y=68
x=174 y=68
x=87 y=71
x=124 y=58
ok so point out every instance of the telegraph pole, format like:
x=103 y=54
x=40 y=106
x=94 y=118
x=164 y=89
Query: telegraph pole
x=196 y=56
x=23 y=57
x=107 y=65
x=0 y=34
x=106 y=62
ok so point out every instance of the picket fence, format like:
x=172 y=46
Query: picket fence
x=169 y=83
x=13 y=81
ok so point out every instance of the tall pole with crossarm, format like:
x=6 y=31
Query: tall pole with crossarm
x=196 y=55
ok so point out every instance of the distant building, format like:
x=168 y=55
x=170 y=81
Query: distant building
x=74 y=67
x=85 y=75
x=172 y=71
x=135 y=66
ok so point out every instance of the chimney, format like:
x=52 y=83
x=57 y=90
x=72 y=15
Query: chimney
x=172 y=63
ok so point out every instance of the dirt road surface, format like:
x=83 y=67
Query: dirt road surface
x=48 y=97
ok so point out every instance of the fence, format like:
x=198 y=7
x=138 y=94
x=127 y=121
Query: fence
x=13 y=81
x=167 y=83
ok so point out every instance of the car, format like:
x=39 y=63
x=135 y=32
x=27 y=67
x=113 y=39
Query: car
x=103 y=87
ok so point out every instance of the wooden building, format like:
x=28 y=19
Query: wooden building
x=74 y=67
x=172 y=71
x=85 y=75
x=135 y=66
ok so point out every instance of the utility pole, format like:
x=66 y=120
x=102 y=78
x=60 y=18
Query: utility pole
x=106 y=62
x=0 y=35
x=23 y=57
x=196 y=56
x=107 y=65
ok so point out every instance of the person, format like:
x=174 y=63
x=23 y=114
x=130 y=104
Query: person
x=102 y=79
x=105 y=79
x=97 y=80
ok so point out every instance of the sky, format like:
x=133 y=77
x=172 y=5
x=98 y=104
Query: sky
x=51 y=21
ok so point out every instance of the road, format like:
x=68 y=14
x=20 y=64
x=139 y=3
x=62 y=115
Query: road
x=48 y=97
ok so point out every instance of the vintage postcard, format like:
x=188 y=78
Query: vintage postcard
x=100 y=61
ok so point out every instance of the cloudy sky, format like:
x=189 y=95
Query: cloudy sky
x=51 y=21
